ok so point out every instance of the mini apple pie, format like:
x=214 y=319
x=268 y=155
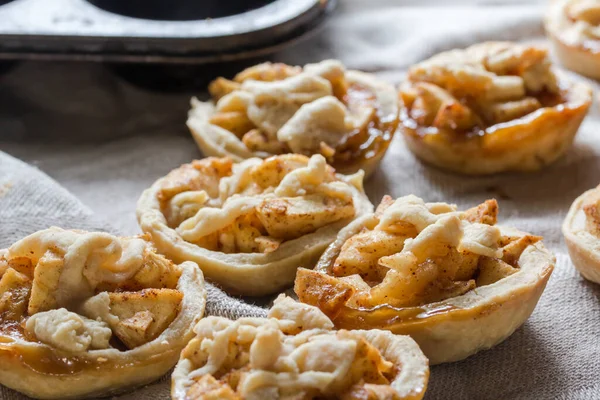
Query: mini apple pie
x=573 y=26
x=582 y=234
x=492 y=107
x=453 y=281
x=295 y=354
x=249 y=226
x=349 y=117
x=90 y=314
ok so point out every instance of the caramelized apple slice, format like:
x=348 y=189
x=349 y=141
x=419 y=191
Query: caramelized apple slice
x=143 y=315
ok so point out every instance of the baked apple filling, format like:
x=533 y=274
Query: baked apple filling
x=415 y=253
x=77 y=291
x=295 y=354
x=254 y=206
x=346 y=116
x=468 y=91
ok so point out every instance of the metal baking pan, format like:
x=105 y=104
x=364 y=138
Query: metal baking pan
x=181 y=31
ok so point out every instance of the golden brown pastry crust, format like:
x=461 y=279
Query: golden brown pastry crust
x=294 y=352
x=581 y=240
x=254 y=273
x=259 y=114
x=43 y=371
x=573 y=39
x=447 y=330
x=527 y=142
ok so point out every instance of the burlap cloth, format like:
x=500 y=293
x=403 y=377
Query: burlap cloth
x=49 y=111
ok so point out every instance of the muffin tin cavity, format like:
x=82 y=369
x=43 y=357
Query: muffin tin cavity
x=178 y=10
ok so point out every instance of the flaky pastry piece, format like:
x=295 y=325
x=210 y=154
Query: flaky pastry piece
x=492 y=107
x=249 y=226
x=581 y=229
x=349 y=117
x=294 y=354
x=573 y=26
x=454 y=281
x=87 y=314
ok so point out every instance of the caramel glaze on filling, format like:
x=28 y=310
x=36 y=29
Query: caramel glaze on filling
x=370 y=141
x=546 y=99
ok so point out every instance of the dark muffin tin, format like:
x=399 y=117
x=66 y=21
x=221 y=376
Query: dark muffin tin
x=183 y=31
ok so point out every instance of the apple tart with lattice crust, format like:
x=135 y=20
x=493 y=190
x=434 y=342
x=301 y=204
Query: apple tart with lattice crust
x=295 y=354
x=250 y=225
x=454 y=281
x=492 y=107
x=349 y=117
x=89 y=314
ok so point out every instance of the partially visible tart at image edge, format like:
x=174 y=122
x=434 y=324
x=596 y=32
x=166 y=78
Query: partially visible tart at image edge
x=573 y=27
x=294 y=353
x=581 y=230
x=490 y=108
x=88 y=314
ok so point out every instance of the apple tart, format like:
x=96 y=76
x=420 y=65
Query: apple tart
x=89 y=314
x=295 y=354
x=492 y=107
x=349 y=117
x=250 y=225
x=454 y=281
x=581 y=229
x=573 y=26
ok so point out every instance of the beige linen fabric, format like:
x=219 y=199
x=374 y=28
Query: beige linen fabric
x=555 y=355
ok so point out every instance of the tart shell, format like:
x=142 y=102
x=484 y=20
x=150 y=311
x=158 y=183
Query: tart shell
x=452 y=329
x=525 y=144
x=410 y=383
x=40 y=371
x=251 y=274
x=582 y=246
